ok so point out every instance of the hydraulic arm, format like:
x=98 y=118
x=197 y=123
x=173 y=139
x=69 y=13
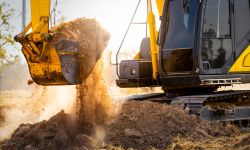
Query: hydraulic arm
x=153 y=35
x=47 y=63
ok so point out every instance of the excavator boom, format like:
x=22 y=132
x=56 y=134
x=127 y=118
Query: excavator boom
x=48 y=64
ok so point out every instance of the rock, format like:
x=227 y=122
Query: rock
x=202 y=132
x=132 y=133
x=61 y=137
x=177 y=146
x=23 y=129
x=133 y=119
x=84 y=140
x=30 y=147
x=139 y=141
x=231 y=130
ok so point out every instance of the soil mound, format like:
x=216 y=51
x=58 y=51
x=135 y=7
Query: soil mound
x=59 y=132
x=142 y=124
x=55 y=133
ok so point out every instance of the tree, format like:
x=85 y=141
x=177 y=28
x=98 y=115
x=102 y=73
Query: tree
x=5 y=31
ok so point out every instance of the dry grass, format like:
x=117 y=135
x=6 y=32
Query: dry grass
x=210 y=143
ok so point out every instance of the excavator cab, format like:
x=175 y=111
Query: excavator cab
x=201 y=44
x=49 y=64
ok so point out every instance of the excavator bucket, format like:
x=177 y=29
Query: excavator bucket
x=58 y=65
x=67 y=51
x=52 y=54
x=50 y=63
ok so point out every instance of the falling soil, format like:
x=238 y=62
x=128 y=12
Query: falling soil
x=93 y=102
x=2 y=118
x=95 y=108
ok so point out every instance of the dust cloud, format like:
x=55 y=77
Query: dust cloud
x=35 y=105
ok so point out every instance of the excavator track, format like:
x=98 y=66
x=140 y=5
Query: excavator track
x=218 y=106
x=221 y=106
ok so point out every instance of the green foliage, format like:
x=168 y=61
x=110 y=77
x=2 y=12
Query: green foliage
x=5 y=31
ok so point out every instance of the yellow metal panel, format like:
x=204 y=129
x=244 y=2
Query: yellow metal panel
x=242 y=64
x=137 y=56
x=39 y=8
x=159 y=4
x=247 y=61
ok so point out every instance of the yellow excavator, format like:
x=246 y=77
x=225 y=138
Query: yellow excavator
x=200 y=46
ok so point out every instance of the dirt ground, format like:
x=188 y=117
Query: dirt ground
x=139 y=125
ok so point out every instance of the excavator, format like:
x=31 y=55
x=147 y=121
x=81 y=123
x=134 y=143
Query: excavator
x=200 y=46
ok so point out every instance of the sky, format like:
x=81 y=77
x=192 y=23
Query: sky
x=114 y=15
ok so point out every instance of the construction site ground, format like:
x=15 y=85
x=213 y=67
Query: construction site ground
x=138 y=125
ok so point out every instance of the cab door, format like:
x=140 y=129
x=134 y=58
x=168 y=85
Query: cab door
x=241 y=37
x=216 y=37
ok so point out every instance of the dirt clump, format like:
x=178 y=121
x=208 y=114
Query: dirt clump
x=92 y=40
x=142 y=124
